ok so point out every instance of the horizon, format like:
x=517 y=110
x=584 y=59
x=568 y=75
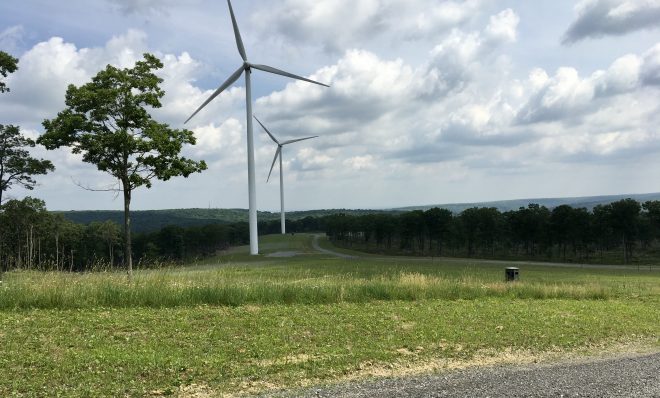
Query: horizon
x=438 y=101
x=276 y=211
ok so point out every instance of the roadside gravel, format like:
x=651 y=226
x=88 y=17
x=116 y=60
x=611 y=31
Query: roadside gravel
x=623 y=376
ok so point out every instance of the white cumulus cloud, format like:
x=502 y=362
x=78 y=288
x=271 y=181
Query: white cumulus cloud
x=598 y=18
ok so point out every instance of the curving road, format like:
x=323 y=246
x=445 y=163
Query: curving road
x=625 y=376
x=317 y=247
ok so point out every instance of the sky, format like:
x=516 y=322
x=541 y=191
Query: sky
x=431 y=101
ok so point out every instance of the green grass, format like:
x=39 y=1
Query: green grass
x=238 y=323
x=101 y=352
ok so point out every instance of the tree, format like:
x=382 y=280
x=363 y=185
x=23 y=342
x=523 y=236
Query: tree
x=652 y=208
x=8 y=64
x=107 y=121
x=16 y=165
x=624 y=218
x=438 y=223
x=18 y=220
x=108 y=233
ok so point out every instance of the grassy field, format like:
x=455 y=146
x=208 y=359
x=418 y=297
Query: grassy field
x=239 y=323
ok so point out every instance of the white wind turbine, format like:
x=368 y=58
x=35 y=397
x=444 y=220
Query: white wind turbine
x=247 y=68
x=278 y=153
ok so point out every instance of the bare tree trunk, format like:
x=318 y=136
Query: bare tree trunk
x=128 y=255
x=19 y=261
x=57 y=251
x=625 y=251
x=31 y=246
x=27 y=250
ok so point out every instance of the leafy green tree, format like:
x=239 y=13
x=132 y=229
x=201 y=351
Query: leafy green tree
x=107 y=121
x=19 y=225
x=624 y=218
x=8 y=64
x=470 y=222
x=412 y=230
x=561 y=226
x=604 y=233
x=652 y=208
x=530 y=226
x=108 y=233
x=438 y=223
x=16 y=164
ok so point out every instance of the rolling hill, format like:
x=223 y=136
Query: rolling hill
x=153 y=220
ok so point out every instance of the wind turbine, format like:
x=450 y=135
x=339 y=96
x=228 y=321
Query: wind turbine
x=247 y=68
x=278 y=153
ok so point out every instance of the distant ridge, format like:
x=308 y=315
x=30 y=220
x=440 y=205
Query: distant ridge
x=154 y=220
x=588 y=202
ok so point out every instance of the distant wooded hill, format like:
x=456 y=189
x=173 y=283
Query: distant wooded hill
x=588 y=202
x=153 y=220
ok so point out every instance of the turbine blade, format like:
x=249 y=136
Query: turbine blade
x=276 y=71
x=220 y=89
x=237 y=33
x=267 y=132
x=277 y=153
x=299 y=139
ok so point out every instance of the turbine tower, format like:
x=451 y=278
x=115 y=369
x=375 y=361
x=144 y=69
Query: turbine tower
x=247 y=68
x=278 y=153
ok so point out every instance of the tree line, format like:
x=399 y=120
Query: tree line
x=613 y=232
x=36 y=239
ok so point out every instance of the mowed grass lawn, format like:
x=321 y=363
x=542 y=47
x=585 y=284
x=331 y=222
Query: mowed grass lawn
x=242 y=324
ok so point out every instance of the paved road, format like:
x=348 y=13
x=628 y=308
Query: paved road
x=317 y=247
x=631 y=376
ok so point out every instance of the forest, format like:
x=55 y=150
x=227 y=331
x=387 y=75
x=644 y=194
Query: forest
x=619 y=232
x=624 y=231
x=31 y=237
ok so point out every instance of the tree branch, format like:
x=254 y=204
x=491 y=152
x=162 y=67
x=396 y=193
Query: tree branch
x=88 y=188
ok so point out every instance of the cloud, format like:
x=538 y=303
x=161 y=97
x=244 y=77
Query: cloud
x=598 y=18
x=11 y=38
x=128 y=7
x=503 y=26
x=562 y=95
x=221 y=146
x=316 y=22
x=366 y=88
x=566 y=96
x=650 y=69
x=389 y=109
x=41 y=80
x=433 y=20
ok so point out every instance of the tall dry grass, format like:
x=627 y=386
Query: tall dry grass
x=233 y=286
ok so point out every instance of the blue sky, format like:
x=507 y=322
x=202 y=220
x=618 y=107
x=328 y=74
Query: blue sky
x=432 y=101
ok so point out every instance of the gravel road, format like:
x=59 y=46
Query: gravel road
x=624 y=376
